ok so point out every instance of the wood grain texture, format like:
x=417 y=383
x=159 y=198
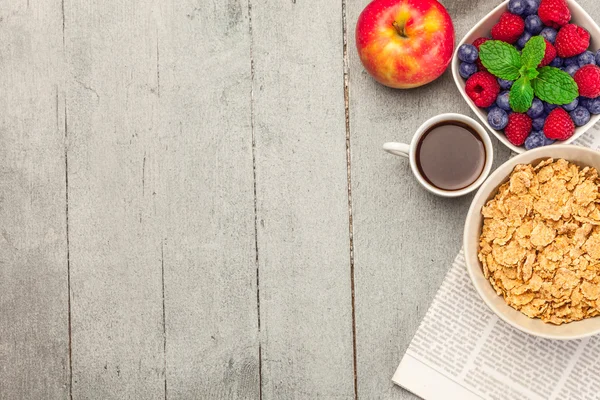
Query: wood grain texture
x=206 y=200
x=186 y=161
x=302 y=200
x=115 y=240
x=161 y=201
x=34 y=337
x=404 y=238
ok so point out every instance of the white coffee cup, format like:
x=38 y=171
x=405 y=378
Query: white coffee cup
x=410 y=151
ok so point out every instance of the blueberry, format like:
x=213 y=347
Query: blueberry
x=571 y=69
x=585 y=102
x=593 y=105
x=517 y=6
x=498 y=118
x=468 y=53
x=549 y=107
x=537 y=139
x=504 y=84
x=571 y=61
x=503 y=100
x=580 y=116
x=598 y=58
x=531 y=7
x=533 y=24
x=586 y=58
x=572 y=105
x=533 y=141
x=538 y=123
x=523 y=39
x=549 y=34
x=557 y=62
x=537 y=108
x=467 y=69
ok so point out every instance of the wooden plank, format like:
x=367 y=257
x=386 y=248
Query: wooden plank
x=404 y=238
x=161 y=188
x=302 y=200
x=34 y=335
x=115 y=239
x=206 y=200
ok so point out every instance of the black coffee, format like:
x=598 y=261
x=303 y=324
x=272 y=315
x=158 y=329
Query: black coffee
x=451 y=155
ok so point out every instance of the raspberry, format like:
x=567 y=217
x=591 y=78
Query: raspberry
x=518 y=128
x=559 y=125
x=549 y=55
x=509 y=29
x=477 y=43
x=572 y=40
x=588 y=81
x=482 y=88
x=480 y=66
x=554 y=13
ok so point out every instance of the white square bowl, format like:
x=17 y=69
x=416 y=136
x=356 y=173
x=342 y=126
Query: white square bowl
x=483 y=29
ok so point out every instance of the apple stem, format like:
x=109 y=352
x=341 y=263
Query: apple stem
x=399 y=29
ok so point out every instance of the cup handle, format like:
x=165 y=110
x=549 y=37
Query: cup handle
x=397 y=149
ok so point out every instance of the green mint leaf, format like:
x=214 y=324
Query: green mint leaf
x=533 y=52
x=529 y=73
x=501 y=59
x=555 y=86
x=521 y=95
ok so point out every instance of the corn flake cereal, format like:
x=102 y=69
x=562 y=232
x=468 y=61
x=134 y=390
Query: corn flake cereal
x=540 y=241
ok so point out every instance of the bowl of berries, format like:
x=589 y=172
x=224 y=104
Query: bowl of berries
x=530 y=70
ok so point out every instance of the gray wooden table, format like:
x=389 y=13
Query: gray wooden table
x=194 y=203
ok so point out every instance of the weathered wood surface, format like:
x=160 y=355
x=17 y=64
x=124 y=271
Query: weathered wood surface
x=174 y=202
x=34 y=315
x=161 y=201
x=302 y=200
x=205 y=178
x=115 y=240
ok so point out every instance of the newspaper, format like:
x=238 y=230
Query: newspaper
x=462 y=350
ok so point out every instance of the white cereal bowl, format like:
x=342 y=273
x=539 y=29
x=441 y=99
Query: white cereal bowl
x=483 y=29
x=574 y=330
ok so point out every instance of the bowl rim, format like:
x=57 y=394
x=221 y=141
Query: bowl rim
x=476 y=110
x=486 y=191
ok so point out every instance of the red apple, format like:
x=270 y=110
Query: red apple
x=405 y=43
